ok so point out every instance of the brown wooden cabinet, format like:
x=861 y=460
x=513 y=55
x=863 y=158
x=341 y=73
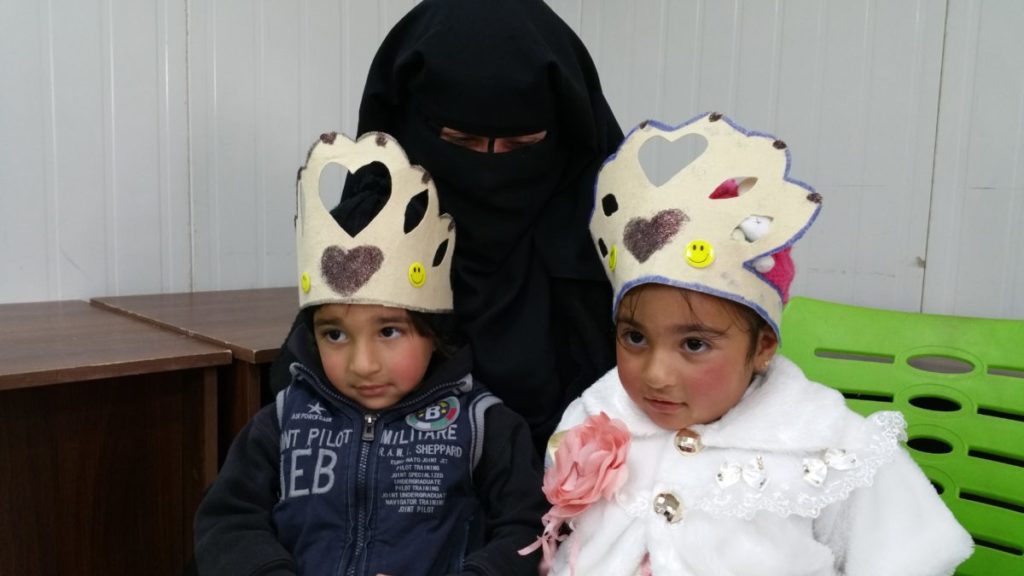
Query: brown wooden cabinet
x=251 y=323
x=107 y=440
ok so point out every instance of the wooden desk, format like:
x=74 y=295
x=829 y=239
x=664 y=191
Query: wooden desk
x=107 y=441
x=251 y=323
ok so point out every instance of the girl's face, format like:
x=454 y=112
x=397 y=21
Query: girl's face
x=371 y=354
x=683 y=356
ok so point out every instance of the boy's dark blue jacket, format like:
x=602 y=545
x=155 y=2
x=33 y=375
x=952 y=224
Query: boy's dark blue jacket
x=444 y=482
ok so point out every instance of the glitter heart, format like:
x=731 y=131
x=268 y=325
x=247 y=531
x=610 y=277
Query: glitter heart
x=645 y=237
x=346 y=271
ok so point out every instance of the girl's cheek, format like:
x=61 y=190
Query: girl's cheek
x=709 y=382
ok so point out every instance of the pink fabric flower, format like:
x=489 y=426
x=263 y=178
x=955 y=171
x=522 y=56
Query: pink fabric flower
x=590 y=463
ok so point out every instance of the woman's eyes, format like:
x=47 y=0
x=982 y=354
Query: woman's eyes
x=471 y=141
x=517 y=142
x=496 y=145
x=468 y=141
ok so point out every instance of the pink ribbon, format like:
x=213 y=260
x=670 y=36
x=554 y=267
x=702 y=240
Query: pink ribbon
x=547 y=541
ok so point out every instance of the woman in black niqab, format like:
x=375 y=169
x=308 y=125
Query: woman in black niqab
x=530 y=293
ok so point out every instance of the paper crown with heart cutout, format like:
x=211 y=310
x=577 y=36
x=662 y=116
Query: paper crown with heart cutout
x=395 y=260
x=722 y=225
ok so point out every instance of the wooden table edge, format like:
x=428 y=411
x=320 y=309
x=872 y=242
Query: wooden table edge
x=50 y=376
x=238 y=352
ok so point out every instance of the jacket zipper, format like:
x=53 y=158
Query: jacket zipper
x=362 y=491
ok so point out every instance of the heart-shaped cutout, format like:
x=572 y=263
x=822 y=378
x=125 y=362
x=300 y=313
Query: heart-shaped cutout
x=644 y=237
x=364 y=194
x=346 y=271
x=662 y=159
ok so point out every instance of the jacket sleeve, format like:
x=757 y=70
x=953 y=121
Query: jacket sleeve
x=234 y=530
x=896 y=526
x=508 y=480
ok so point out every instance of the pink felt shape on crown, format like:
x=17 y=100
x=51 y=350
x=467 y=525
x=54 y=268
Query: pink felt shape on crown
x=782 y=273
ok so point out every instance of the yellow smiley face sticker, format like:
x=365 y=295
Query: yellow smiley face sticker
x=417 y=274
x=611 y=257
x=699 y=254
x=304 y=282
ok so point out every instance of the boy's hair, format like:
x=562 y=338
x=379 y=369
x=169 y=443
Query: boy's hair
x=747 y=318
x=443 y=329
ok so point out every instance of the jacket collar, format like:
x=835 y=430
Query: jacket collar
x=781 y=411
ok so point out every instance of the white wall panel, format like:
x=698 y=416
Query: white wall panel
x=27 y=233
x=267 y=78
x=148 y=199
x=152 y=145
x=94 y=161
x=975 y=257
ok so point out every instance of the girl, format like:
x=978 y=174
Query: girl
x=704 y=452
x=383 y=455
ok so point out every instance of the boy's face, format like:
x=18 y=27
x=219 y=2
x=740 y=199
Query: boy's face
x=684 y=359
x=371 y=354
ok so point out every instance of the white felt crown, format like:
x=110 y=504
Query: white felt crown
x=685 y=232
x=390 y=262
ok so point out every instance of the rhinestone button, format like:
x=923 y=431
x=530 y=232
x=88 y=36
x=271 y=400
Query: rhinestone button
x=840 y=459
x=754 y=473
x=815 y=471
x=688 y=441
x=728 y=474
x=668 y=505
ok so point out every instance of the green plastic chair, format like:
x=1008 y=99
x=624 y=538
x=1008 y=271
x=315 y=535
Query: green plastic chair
x=958 y=381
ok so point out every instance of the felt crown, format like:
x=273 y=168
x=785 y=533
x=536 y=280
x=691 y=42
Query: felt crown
x=395 y=260
x=722 y=225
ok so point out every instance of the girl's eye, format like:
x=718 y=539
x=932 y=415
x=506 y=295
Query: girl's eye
x=390 y=332
x=632 y=337
x=694 y=345
x=334 y=335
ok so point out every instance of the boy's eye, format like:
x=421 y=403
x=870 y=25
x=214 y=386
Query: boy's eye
x=334 y=335
x=694 y=344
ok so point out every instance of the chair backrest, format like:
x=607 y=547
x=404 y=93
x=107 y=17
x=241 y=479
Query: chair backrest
x=958 y=381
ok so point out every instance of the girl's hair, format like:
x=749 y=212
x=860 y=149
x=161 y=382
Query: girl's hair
x=748 y=320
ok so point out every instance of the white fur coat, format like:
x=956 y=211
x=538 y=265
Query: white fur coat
x=749 y=505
